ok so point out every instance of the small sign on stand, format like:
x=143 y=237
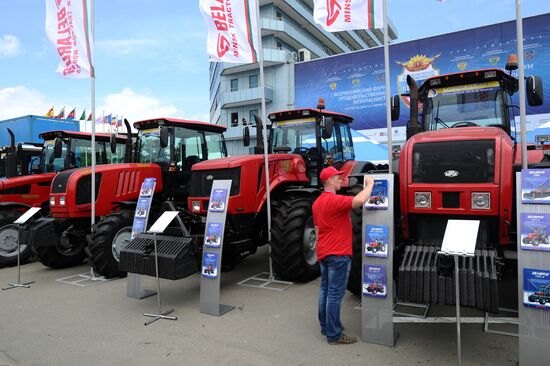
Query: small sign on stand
x=212 y=250
x=158 y=228
x=20 y=221
x=141 y=216
x=459 y=241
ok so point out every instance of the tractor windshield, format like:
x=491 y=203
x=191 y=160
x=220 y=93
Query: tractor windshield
x=51 y=164
x=465 y=105
x=295 y=136
x=149 y=147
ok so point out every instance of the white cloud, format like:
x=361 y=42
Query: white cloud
x=21 y=101
x=135 y=106
x=9 y=46
x=126 y=46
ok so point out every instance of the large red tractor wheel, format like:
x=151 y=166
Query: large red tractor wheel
x=355 y=278
x=109 y=237
x=9 y=234
x=293 y=241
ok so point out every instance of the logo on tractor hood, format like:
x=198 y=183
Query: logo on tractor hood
x=209 y=177
x=451 y=173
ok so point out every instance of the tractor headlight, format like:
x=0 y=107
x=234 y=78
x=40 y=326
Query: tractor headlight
x=52 y=200
x=196 y=206
x=481 y=200
x=62 y=200
x=423 y=199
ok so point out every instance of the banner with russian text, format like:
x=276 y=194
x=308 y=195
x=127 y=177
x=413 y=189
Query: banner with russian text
x=344 y=15
x=68 y=29
x=232 y=30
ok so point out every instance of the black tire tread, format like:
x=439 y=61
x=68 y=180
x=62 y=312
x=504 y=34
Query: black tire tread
x=288 y=222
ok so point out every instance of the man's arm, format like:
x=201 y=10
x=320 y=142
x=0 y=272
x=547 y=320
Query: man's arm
x=360 y=198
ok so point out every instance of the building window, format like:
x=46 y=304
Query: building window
x=279 y=45
x=251 y=114
x=278 y=15
x=234 y=119
x=253 y=81
x=234 y=84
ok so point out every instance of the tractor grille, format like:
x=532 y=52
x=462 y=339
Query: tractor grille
x=84 y=189
x=201 y=181
x=454 y=162
x=59 y=184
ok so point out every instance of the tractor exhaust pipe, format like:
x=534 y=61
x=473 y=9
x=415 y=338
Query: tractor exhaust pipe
x=413 y=127
x=12 y=138
x=128 y=150
x=259 y=148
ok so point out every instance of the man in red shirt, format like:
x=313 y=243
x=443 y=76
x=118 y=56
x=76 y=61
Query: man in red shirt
x=331 y=217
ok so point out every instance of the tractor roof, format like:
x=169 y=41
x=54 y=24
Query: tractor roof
x=308 y=112
x=50 y=135
x=192 y=125
x=470 y=77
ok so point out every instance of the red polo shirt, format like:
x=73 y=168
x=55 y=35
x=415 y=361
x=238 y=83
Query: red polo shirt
x=331 y=215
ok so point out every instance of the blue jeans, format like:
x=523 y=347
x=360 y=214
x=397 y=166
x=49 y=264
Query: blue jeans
x=334 y=277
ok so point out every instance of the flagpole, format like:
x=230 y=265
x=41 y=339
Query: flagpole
x=93 y=124
x=521 y=79
x=264 y=136
x=387 y=78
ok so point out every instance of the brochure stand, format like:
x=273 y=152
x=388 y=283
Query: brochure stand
x=377 y=251
x=533 y=203
x=141 y=216
x=158 y=228
x=459 y=241
x=20 y=221
x=212 y=250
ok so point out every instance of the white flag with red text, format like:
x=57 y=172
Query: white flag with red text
x=69 y=30
x=344 y=15
x=232 y=30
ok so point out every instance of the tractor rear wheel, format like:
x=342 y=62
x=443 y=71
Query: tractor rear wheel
x=293 y=240
x=9 y=234
x=355 y=275
x=109 y=237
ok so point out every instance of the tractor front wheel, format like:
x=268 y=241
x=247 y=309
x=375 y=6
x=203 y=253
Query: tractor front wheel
x=68 y=252
x=293 y=240
x=109 y=237
x=9 y=235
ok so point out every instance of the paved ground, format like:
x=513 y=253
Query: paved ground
x=58 y=324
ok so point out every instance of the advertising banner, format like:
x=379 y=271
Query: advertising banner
x=378 y=199
x=534 y=231
x=374 y=280
x=376 y=240
x=354 y=84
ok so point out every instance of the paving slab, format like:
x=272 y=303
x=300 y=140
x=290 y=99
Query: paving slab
x=58 y=324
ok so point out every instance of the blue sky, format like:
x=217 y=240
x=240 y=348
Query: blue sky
x=151 y=54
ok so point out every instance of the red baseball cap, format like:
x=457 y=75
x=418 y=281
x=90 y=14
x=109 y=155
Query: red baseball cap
x=328 y=173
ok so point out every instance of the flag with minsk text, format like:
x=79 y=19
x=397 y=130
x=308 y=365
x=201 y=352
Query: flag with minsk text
x=232 y=30
x=344 y=15
x=69 y=30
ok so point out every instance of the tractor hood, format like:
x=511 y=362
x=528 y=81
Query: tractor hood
x=459 y=134
x=29 y=179
x=237 y=161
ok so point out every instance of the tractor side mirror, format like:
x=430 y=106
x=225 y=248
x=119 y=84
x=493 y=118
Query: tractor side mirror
x=163 y=137
x=327 y=125
x=395 y=108
x=112 y=142
x=246 y=136
x=533 y=89
x=57 y=147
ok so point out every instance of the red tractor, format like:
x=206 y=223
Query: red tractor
x=542 y=296
x=536 y=237
x=459 y=162
x=376 y=200
x=298 y=145
x=166 y=149
x=376 y=246
x=375 y=288
x=62 y=150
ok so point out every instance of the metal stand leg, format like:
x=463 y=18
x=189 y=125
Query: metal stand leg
x=159 y=314
x=18 y=284
x=457 y=300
